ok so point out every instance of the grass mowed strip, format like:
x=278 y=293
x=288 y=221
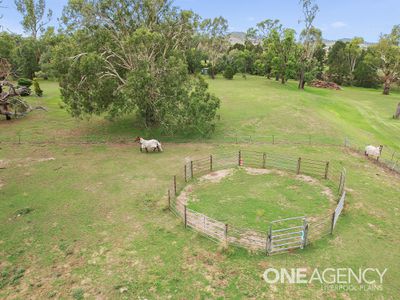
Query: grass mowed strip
x=253 y=201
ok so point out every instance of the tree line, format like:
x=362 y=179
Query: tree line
x=117 y=57
x=272 y=50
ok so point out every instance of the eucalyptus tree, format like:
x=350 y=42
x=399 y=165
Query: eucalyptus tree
x=121 y=57
x=214 y=40
x=338 y=67
x=310 y=37
x=34 y=16
x=385 y=58
x=279 y=45
x=353 y=53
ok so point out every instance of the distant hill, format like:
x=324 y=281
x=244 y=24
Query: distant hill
x=238 y=37
x=330 y=43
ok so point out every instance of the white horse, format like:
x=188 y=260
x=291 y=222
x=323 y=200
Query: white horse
x=373 y=151
x=149 y=145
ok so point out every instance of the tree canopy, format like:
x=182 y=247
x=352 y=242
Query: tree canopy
x=130 y=57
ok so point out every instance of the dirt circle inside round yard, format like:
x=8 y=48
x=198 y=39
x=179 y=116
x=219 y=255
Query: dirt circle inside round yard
x=252 y=198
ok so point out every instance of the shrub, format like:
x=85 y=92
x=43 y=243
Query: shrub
x=37 y=89
x=229 y=72
x=24 y=82
x=42 y=75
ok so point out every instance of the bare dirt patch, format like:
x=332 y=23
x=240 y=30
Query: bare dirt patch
x=253 y=171
x=217 y=176
x=307 y=179
x=4 y=163
x=183 y=197
x=23 y=162
x=328 y=193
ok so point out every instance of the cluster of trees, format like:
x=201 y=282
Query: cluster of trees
x=349 y=64
x=144 y=56
x=272 y=50
x=120 y=57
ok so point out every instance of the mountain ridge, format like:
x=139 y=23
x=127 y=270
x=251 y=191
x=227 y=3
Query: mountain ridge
x=239 y=37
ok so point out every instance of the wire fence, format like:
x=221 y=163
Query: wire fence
x=282 y=235
x=389 y=158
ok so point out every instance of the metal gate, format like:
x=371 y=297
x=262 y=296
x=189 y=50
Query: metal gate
x=287 y=234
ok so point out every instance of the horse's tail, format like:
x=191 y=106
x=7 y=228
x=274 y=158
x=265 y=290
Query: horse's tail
x=159 y=147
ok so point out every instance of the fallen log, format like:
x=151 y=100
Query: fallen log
x=11 y=104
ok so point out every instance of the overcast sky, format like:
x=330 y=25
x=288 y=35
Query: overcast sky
x=337 y=19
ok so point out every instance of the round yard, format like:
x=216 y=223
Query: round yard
x=252 y=198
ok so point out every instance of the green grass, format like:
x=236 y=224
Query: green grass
x=253 y=201
x=97 y=224
x=259 y=107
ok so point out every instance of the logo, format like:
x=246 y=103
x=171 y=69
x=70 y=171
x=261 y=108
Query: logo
x=345 y=279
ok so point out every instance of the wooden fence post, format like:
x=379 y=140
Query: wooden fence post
x=298 y=165
x=269 y=241
x=394 y=152
x=185 y=215
x=326 y=170
x=380 y=154
x=169 y=199
x=340 y=182
x=264 y=160
x=394 y=165
x=240 y=158
x=226 y=233
x=211 y=163
x=333 y=221
x=191 y=169
x=185 y=173
x=305 y=232
x=175 y=192
x=273 y=139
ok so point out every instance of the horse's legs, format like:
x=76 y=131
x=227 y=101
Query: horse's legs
x=147 y=150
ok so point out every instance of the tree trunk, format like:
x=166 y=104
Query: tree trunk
x=283 y=79
x=212 y=74
x=150 y=119
x=277 y=77
x=301 y=81
x=386 y=87
x=397 y=114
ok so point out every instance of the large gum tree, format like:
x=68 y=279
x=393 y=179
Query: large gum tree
x=122 y=56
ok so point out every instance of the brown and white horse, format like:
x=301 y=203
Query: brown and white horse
x=149 y=145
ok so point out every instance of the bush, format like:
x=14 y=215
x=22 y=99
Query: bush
x=229 y=72
x=24 y=82
x=37 y=89
x=42 y=75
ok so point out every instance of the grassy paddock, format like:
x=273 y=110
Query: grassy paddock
x=253 y=201
x=97 y=224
